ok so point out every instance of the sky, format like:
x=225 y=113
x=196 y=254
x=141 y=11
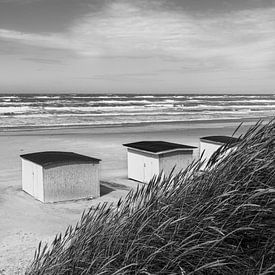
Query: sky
x=139 y=46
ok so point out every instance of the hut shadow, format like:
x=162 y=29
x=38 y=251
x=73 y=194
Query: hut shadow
x=104 y=190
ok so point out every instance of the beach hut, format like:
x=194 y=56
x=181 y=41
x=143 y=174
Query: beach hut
x=55 y=176
x=149 y=158
x=210 y=144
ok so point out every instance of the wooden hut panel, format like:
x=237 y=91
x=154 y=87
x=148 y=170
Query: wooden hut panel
x=70 y=182
x=149 y=158
x=142 y=166
x=32 y=179
x=179 y=160
x=209 y=145
x=208 y=149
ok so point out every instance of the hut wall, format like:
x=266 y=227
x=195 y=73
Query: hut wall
x=70 y=182
x=142 y=166
x=32 y=179
x=208 y=149
x=179 y=160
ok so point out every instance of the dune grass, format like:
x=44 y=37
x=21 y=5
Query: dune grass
x=220 y=221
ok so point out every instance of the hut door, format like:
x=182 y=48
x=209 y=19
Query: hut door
x=147 y=170
x=33 y=182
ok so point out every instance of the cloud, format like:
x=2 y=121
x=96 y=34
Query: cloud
x=244 y=38
x=43 y=60
x=126 y=28
x=17 y=1
x=239 y=39
x=119 y=76
x=49 y=41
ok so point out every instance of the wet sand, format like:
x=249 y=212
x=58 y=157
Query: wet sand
x=25 y=221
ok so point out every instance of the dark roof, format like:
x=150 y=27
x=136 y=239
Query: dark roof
x=221 y=139
x=56 y=157
x=157 y=146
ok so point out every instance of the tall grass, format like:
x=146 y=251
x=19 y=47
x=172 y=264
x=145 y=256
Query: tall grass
x=220 y=221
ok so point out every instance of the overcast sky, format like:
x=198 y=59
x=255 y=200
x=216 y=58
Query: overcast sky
x=137 y=46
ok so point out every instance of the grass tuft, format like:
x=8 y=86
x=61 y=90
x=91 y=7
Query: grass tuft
x=220 y=221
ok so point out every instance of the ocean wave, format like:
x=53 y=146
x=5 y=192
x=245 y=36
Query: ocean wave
x=46 y=96
x=19 y=109
x=10 y=96
x=134 y=115
x=26 y=110
x=127 y=100
x=213 y=107
x=151 y=113
x=122 y=122
x=128 y=109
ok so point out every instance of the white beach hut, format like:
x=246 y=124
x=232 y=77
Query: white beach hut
x=149 y=158
x=210 y=144
x=59 y=176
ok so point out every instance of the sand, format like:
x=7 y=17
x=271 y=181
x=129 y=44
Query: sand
x=25 y=221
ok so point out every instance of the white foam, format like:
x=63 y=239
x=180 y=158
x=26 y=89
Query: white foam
x=116 y=109
x=19 y=109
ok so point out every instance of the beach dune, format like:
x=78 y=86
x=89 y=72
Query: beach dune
x=25 y=221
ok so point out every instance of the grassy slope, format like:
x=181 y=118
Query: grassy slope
x=220 y=221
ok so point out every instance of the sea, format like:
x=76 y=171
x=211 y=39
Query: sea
x=19 y=111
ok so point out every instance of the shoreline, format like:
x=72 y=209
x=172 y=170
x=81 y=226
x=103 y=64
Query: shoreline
x=168 y=125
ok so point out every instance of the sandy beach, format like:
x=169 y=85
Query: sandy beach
x=25 y=221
